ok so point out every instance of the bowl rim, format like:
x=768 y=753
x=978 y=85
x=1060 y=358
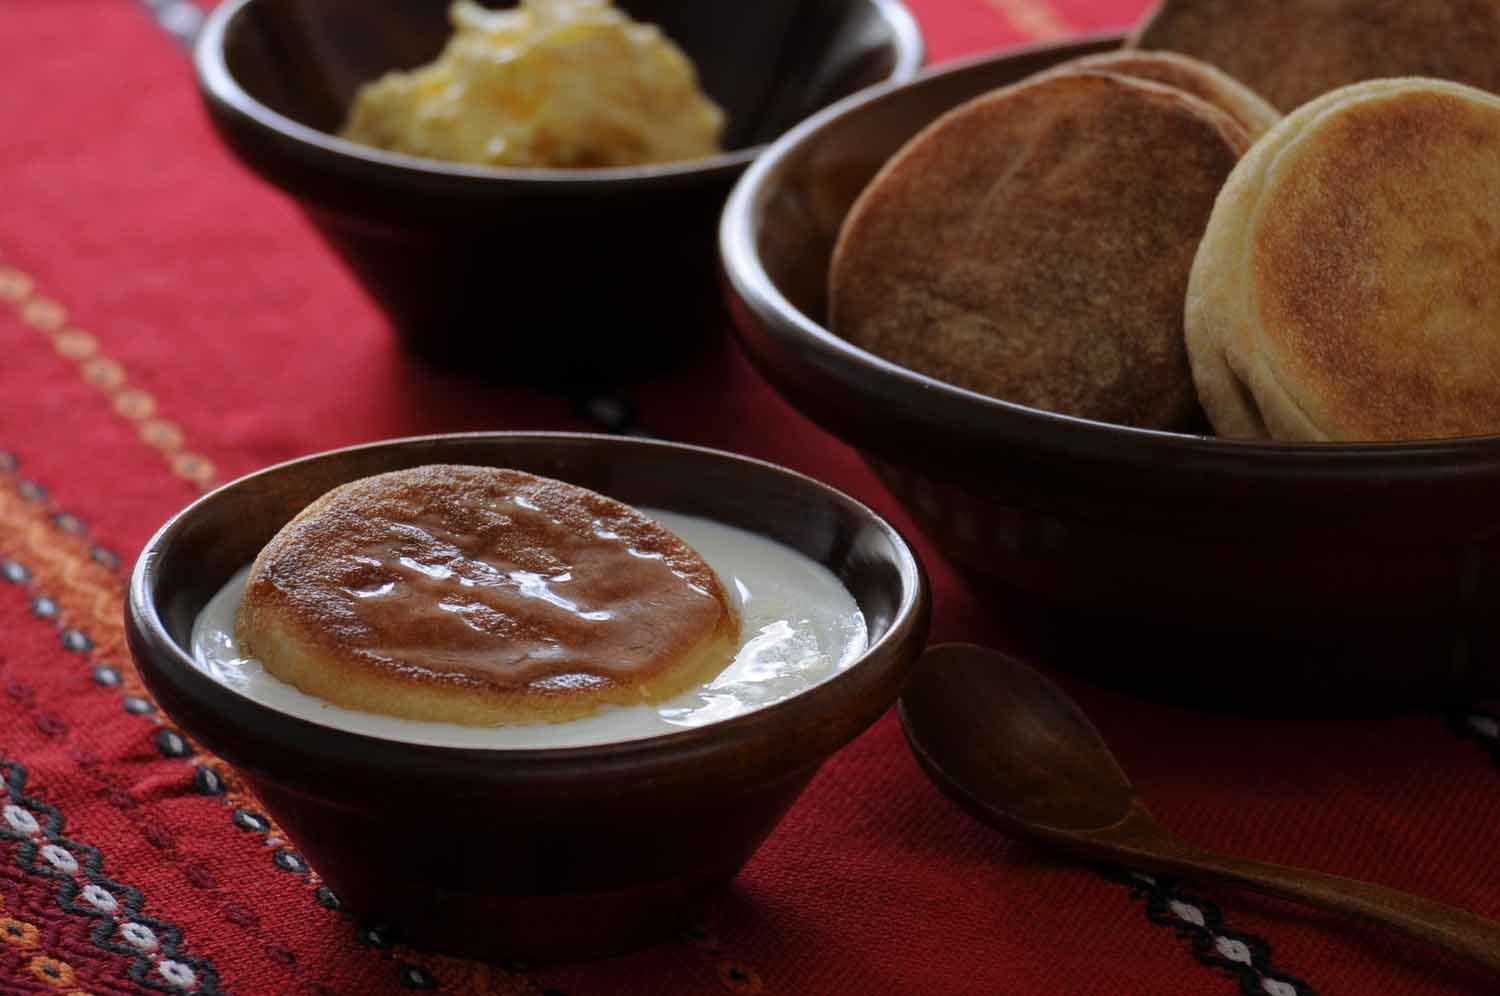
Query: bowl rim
x=149 y=635
x=220 y=86
x=879 y=379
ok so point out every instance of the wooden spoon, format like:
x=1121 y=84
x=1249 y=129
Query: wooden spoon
x=1014 y=750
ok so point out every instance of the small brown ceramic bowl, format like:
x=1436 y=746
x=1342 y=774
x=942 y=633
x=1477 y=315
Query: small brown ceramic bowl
x=559 y=853
x=1333 y=551
x=529 y=274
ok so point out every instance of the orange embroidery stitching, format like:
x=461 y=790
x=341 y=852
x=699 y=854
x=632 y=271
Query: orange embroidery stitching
x=88 y=592
x=1036 y=19
x=18 y=933
x=23 y=935
x=52 y=971
x=132 y=404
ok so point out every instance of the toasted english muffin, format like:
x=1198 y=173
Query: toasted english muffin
x=482 y=596
x=1034 y=244
x=1194 y=76
x=1290 y=51
x=1348 y=283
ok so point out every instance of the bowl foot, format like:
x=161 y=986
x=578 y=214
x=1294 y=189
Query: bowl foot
x=556 y=928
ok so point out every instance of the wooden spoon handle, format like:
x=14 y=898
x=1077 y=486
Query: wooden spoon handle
x=1424 y=919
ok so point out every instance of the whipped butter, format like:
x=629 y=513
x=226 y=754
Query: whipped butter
x=549 y=83
x=799 y=626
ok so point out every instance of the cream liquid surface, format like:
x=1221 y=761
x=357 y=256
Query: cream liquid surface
x=798 y=627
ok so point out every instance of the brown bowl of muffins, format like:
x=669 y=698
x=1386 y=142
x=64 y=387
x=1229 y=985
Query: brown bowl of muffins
x=531 y=696
x=1166 y=367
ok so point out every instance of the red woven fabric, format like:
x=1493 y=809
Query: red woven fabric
x=166 y=320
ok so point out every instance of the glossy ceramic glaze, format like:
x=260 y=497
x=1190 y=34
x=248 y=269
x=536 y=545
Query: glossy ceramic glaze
x=557 y=853
x=525 y=274
x=1196 y=547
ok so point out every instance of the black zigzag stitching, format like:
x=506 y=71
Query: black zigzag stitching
x=1243 y=957
x=71 y=897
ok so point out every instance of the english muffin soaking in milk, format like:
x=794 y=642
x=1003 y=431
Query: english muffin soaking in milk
x=480 y=607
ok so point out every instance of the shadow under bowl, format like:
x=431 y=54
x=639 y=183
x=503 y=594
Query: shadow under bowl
x=528 y=275
x=559 y=853
x=1210 y=569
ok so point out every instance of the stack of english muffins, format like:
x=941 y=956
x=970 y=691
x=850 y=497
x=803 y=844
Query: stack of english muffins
x=1141 y=238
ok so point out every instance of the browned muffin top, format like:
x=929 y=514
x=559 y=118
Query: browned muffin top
x=1375 y=261
x=479 y=580
x=1249 y=110
x=1034 y=244
x=1290 y=51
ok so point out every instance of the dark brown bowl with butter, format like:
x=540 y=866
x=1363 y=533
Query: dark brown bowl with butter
x=539 y=275
x=1227 y=571
x=537 y=853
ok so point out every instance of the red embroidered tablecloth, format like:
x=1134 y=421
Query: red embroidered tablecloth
x=167 y=321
